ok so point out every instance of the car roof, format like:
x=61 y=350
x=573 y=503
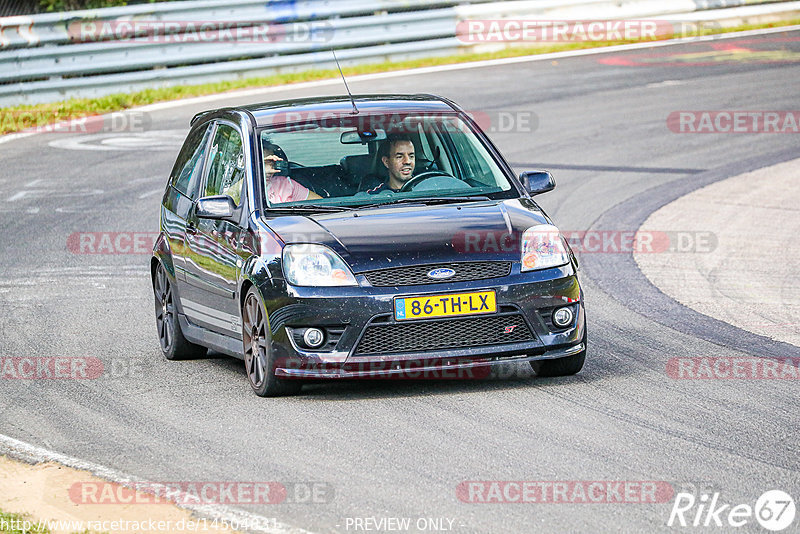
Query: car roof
x=266 y=113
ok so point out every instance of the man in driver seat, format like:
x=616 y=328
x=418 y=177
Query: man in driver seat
x=397 y=154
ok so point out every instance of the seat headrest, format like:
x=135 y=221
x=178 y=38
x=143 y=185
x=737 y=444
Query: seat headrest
x=358 y=165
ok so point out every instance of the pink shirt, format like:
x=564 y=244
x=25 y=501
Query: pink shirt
x=283 y=189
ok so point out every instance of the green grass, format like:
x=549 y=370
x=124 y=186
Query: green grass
x=15 y=520
x=78 y=107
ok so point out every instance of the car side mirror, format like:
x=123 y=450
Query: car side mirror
x=220 y=207
x=537 y=182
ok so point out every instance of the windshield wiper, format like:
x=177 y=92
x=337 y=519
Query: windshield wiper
x=309 y=207
x=319 y=208
x=425 y=200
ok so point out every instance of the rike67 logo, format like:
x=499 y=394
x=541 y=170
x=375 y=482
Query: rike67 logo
x=775 y=511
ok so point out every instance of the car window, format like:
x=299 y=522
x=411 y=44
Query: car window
x=189 y=165
x=327 y=148
x=473 y=155
x=341 y=159
x=226 y=169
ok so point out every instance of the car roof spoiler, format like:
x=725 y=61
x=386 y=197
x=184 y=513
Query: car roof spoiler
x=202 y=113
x=229 y=109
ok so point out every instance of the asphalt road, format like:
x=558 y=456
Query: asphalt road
x=400 y=449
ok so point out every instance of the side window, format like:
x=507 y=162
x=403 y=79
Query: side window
x=226 y=171
x=475 y=165
x=189 y=166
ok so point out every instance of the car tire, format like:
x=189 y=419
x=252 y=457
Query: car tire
x=174 y=345
x=568 y=366
x=259 y=360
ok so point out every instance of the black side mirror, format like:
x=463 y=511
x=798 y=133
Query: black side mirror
x=220 y=207
x=538 y=182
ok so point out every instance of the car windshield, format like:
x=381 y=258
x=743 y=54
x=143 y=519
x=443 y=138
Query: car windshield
x=377 y=159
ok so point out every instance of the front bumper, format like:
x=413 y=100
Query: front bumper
x=354 y=309
x=464 y=367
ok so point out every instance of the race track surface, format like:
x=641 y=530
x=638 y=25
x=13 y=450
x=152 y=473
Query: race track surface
x=401 y=448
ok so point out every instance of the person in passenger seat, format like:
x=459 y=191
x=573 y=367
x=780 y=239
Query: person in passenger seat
x=281 y=188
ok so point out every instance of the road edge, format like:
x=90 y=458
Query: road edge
x=619 y=275
x=31 y=454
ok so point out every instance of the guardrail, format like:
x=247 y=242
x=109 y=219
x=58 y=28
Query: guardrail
x=50 y=57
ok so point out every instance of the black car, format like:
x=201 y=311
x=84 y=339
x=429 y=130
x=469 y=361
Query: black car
x=379 y=237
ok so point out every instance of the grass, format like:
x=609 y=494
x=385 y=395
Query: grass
x=10 y=522
x=41 y=114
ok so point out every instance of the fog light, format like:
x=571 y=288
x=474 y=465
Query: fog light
x=313 y=337
x=562 y=317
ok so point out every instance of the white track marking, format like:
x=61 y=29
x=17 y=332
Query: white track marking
x=665 y=83
x=10 y=137
x=146 y=180
x=33 y=454
x=17 y=196
x=74 y=209
x=52 y=194
x=151 y=193
x=19 y=210
x=153 y=140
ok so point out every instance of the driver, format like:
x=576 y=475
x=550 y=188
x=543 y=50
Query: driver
x=397 y=154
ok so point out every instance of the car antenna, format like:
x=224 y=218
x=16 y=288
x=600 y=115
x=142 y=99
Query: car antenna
x=355 y=109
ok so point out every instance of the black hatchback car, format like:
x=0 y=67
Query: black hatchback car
x=380 y=237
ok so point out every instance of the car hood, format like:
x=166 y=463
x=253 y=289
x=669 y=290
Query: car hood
x=397 y=236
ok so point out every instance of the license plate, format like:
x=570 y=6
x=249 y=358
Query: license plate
x=452 y=305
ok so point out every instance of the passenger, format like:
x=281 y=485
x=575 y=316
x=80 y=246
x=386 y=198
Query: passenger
x=281 y=188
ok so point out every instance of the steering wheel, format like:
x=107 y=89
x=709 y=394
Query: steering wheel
x=412 y=183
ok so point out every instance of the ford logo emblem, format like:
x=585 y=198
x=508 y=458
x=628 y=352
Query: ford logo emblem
x=441 y=274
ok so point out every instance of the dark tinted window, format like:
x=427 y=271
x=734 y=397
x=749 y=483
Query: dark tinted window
x=189 y=166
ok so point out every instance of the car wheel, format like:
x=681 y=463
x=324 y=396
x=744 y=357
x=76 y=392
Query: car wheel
x=259 y=360
x=173 y=344
x=561 y=366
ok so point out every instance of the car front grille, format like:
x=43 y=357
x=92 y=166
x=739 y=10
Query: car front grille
x=386 y=338
x=418 y=274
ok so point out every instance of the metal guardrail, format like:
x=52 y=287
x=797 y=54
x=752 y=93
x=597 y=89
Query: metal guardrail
x=46 y=57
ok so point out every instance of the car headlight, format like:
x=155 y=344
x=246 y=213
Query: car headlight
x=315 y=265
x=543 y=248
